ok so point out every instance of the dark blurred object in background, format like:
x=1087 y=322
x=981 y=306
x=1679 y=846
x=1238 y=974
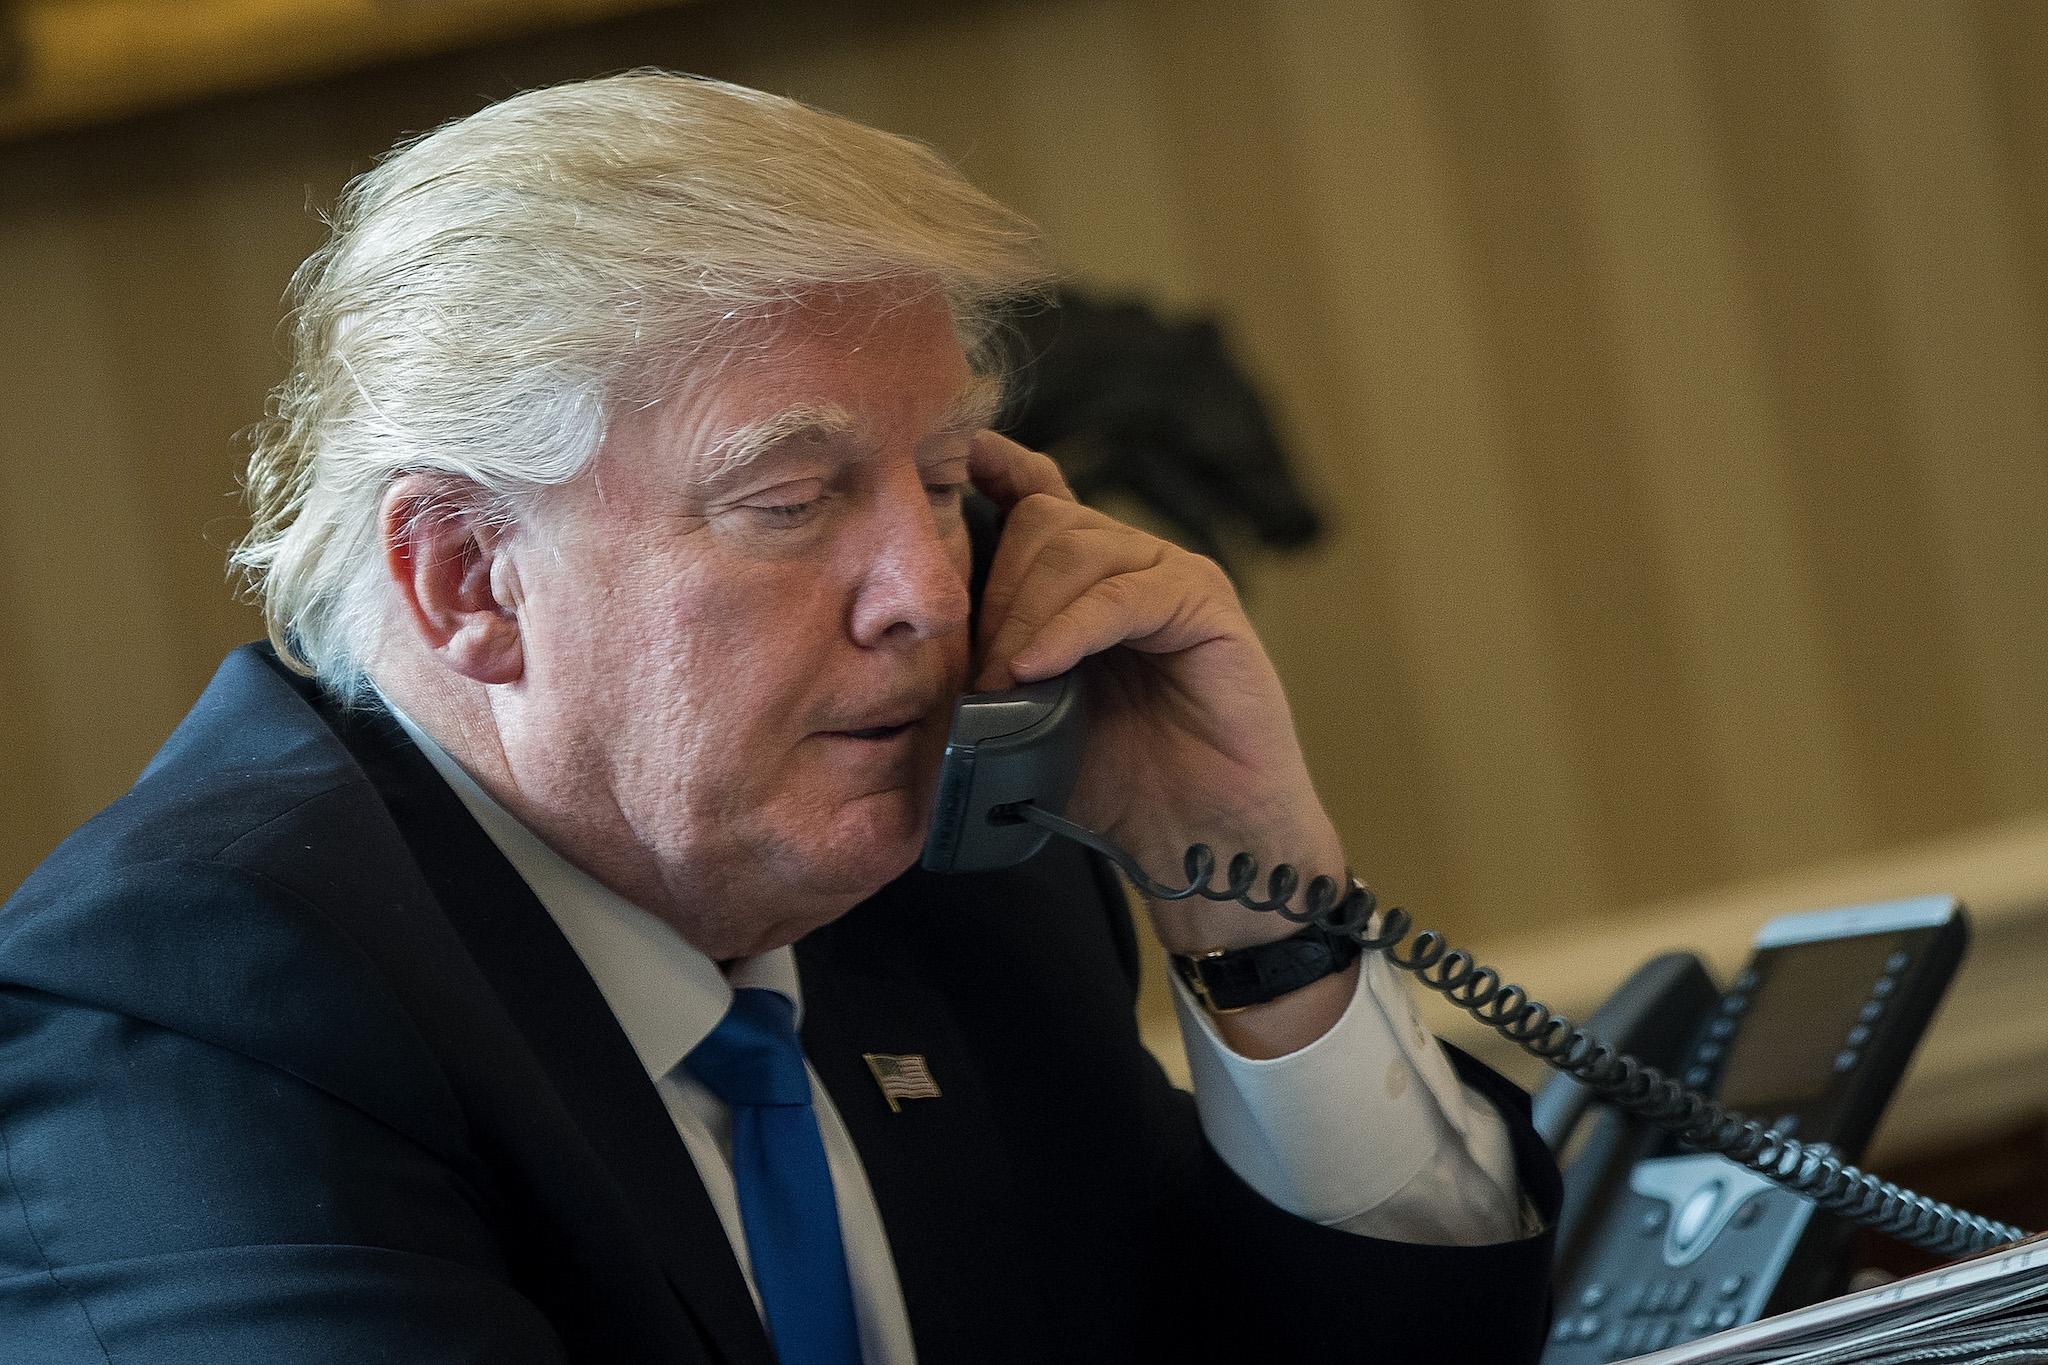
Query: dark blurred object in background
x=1131 y=403
x=13 y=50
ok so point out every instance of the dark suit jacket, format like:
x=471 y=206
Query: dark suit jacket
x=294 y=1068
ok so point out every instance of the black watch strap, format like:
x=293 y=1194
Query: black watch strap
x=1239 y=978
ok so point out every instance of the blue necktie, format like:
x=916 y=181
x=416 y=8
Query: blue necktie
x=753 y=1062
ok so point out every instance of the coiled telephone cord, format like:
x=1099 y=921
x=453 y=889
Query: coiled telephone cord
x=1512 y=1012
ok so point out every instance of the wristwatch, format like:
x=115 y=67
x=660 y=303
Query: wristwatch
x=1227 y=980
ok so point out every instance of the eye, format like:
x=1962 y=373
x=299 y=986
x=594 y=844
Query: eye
x=945 y=482
x=786 y=514
x=786 y=506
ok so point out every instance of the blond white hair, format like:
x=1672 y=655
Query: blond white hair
x=492 y=291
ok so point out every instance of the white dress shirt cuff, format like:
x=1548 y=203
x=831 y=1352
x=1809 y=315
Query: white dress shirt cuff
x=1368 y=1129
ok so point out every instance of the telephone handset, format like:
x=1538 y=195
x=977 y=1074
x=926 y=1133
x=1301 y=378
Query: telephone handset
x=1005 y=749
x=1769 y=1048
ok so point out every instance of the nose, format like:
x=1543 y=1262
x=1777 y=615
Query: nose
x=913 y=584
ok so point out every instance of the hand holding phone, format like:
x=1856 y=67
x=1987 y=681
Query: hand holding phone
x=1189 y=736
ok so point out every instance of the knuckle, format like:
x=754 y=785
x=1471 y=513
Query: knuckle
x=1119 y=590
x=1209 y=574
x=1039 y=509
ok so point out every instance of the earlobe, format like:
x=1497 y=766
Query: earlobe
x=451 y=562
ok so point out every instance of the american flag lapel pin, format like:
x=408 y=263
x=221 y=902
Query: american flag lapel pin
x=904 y=1077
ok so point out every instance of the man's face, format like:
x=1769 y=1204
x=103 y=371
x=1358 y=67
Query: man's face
x=744 y=627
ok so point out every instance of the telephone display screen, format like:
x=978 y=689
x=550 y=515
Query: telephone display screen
x=1799 y=1035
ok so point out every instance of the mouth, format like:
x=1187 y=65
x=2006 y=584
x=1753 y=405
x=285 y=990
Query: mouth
x=888 y=721
x=875 y=732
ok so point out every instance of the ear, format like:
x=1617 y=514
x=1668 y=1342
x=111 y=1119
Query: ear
x=450 y=560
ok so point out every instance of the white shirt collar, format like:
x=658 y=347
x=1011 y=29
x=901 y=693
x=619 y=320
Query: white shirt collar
x=667 y=995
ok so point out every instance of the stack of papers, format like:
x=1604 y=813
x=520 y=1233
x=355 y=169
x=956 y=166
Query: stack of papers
x=1989 y=1310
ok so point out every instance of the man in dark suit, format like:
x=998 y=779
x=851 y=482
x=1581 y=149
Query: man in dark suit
x=436 y=993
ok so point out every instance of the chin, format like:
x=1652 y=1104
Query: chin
x=874 y=841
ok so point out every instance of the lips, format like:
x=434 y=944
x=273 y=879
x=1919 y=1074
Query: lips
x=885 y=721
x=876 y=731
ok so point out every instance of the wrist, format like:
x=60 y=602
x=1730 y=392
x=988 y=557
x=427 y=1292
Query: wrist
x=1227 y=981
x=1288 y=1023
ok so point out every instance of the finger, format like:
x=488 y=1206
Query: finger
x=1008 y=473
x=1028 y=529
x=1058 y=569
x=1157 y=610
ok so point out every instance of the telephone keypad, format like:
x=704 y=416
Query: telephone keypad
x=1652 y=1316
x=1617 y=1313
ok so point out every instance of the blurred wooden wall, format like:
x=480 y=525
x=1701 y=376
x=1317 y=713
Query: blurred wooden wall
x=1675 y=373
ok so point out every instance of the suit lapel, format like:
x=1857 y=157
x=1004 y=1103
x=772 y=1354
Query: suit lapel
x=941 y=1181
x=550 y=997
x=936 y=1166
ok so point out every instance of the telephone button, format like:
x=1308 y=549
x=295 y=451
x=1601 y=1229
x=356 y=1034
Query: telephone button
x=1697 y=1215
x=1868 y=1014
x=1593 y=1296
x=1701 y=1321
x=1883 y=987
x=1858 y=1036
x=1698 y=1077
x=1722 y=1028
x=1658 y=1337
x=1747 y=1215
x=1651 y=1221
x=1897 y=962
x=1701 y=1191
x=1845 y=1060
x=1732 y=1286
x=1746 y=981
x=1725 y=1317
x=1680 y=1296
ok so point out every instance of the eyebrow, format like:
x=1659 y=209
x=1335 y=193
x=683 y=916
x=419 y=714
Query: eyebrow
x=745 y=444
x=974 y=407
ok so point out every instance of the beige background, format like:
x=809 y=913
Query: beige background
x=1674 y=371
